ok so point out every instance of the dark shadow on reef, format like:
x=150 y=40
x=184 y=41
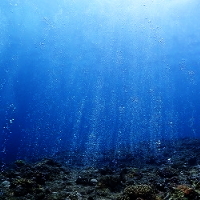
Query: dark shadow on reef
x=171 y=172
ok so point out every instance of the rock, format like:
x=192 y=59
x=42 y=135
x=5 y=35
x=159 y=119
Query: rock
x=112 y=182
x=93 y=181
x=167 y=172
x=50 y=162
x=19 y=191
x=40 y=178
x=20 y=163
x=82 y=181
x=75 y=196
x=105 y=171
x=5 y=184
x=90 y=198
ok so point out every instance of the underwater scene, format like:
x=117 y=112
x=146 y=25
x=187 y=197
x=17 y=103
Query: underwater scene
x=99 y=100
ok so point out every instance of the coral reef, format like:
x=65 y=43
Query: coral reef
x=49 y=179
x=139 y=192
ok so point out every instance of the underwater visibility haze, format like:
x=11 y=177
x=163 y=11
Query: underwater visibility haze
x=92 y=76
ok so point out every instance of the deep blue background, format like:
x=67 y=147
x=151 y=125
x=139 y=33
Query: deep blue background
x=96 y=75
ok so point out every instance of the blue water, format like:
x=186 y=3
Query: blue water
x=92 y=76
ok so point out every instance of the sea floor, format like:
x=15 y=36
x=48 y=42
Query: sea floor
x=172 y=173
